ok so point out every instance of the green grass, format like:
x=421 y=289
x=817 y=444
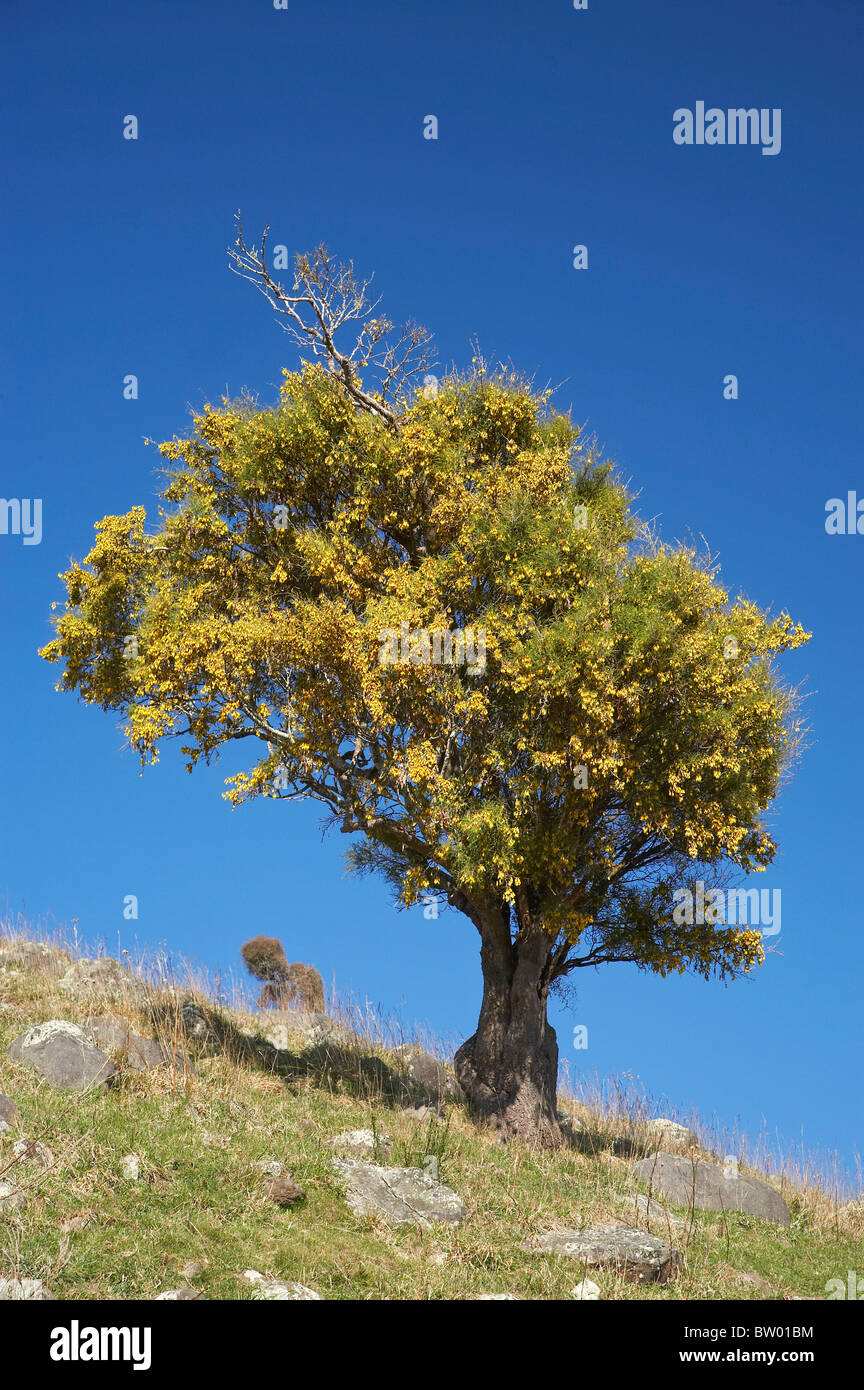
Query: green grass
x=92 y=1234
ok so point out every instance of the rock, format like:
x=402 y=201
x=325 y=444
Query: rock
x=672 y=1136
x=130 y=1167
x=279 y=1026
x=635 y=1254
x=654 y=1213
x=194 y=1022
x=682 y=1180
x=103 y=977
x=275 y=1291
x=429 y=1075
x=11 y=1199
x=424 y=1112
x=14 y=1289
x=137 y=1053
x=8 y=1115
x=270 y=1167
x=64 y=1055
x=32 y=1151
x=179 y=1296
x=284 y=1192
x=33 y=955
x=193 y=1268
x=400 y=1196
x=496 y=1298
x=363 y=1141
x=568 y=1123
x=586 y=1290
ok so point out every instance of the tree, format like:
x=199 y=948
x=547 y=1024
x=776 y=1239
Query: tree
x=438 y=614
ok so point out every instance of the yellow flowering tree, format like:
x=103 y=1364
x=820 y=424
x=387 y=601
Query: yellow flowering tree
x=433 y=610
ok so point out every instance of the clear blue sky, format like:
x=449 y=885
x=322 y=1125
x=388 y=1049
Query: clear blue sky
x=555 y=129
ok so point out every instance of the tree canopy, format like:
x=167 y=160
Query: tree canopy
x=622 y=736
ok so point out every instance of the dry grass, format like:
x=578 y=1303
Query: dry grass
x=198 y=1134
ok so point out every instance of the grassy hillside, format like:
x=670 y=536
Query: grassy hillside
x=199 y=1214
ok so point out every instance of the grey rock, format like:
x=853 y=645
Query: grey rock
x=425 y=1113
x=8 y=1115
x=270 y=1167
x=11 y=1199
x=362 y=1141
x=102 y=977
x=496 y=1298
x=194 y=1022
x=33 y=955
x=653 y=1212
x=400 y=1196
x=14 y=1289
x=429 y=1075
x=64 y=1055
x=32 y=1151
x=671 y=1136
x=709 y=1187
x=635 y=1254
x=180 y=1296
x=273 y=1290
x=137 y=1053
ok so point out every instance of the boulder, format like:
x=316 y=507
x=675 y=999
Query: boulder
x=496 y=1298
x=179 y=1296
x=103 y=977
x=671 y=1136
x=429 y=1075
x=635 y=1254
x=400 y=1196
x=33 y=955
x=711 y=1186
x=64 y=1055
x=8 y=1115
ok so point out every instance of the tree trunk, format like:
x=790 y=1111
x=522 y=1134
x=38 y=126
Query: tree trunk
x=509 y=1067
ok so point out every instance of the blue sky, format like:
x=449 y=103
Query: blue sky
x=555 y=129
